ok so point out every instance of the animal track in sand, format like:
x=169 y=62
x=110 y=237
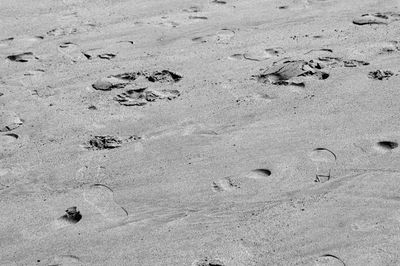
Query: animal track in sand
x=324 y=160
x=22 y=58
x=380 y=74
x=329 y=260
x=65 y=260
x=141 y=96
x=377 y=18
x=386 y=146
x=282 y=73
x=106 y=142
x=208 y=262
x=101 y=197
x=9 y=121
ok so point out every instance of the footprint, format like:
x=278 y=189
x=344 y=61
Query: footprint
x=107 y=56
x=72 y=216
x=6 y=42
x=364 y=226
x=329 y=260
x=9 y=121
x=258 y=174
x=22 y=58
x=163 y=76
x=122 y=80
x=110 y=83
x=226 y=184
x=380 y=74
x=72 y=51
x=36 y=72
x=236 y=57
x=332 y=62
x=65 y=260
x=61 y=31
x=282 y=73
x=385 y=146
x=141 y=96
x=263 y=54
x=354 y=63
x=106 y=142
x=198 y=17
x=324 y=160
x=101 y=198
x=319 y=51
x=377 y=18
x=219 y=2
x=224 y=36
x=192 y=9
x=208 y=262
x=8 y=139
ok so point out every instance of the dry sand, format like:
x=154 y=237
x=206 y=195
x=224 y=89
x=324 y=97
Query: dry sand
x=236 y=132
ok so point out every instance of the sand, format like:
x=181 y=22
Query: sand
x=236 y=132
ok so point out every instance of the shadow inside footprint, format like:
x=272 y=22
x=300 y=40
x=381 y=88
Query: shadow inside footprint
x=101 y=197
x=386 y=146
x=258 y=174
x=324 y=160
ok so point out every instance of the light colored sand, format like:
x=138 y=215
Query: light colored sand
x=217 y=168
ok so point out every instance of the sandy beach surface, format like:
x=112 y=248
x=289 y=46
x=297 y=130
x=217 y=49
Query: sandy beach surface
x=199 y=132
